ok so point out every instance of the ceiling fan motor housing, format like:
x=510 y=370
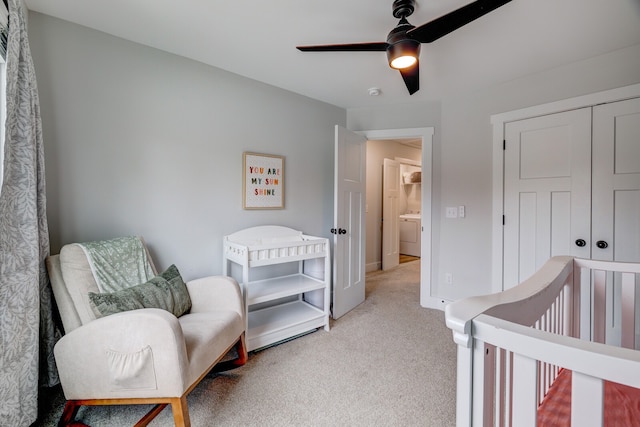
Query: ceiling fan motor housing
x=401 y=45
x=403 y=8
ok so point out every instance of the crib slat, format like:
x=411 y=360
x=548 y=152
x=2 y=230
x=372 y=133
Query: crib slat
x=525 y=391
x=568 y=320
x=587 y=400
x=599 y=305
x=464 y=387
x=478 y=380
x=489 y=393
x=628 y=323
x=502 y=383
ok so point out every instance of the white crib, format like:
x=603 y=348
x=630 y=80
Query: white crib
x=573 y=317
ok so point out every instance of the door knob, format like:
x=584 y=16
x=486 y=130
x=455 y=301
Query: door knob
x=334 y=231
x=580 y=242
x=602 y=244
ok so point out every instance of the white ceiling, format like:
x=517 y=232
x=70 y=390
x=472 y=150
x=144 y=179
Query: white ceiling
x=257 y=39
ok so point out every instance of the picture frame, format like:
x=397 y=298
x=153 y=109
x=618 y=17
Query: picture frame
x=262 y=181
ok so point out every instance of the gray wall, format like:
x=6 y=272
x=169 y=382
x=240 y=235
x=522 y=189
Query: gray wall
x=139 y=141
x=463 y=156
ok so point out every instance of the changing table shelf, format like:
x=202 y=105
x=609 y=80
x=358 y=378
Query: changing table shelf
x=281 y=287
x=280 y=322
x=285 y=305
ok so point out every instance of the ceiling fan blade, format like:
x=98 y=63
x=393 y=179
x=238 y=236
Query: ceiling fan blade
x=411 y=77
x=442 y=26
x=352 y=47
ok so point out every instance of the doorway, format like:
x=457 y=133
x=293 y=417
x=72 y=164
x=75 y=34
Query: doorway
x=394 y=172
x=422 y=137
x=409 y=220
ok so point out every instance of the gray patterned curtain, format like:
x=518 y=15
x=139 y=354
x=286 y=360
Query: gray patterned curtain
x=26 y=326
x=4 y=27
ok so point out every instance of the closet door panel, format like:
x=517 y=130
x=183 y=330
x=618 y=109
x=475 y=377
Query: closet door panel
x=616 y=181
x=561 y=243
x=527 y=236
x=627 y=144
x=626 y=234
x=547 y=184
x=616 y=196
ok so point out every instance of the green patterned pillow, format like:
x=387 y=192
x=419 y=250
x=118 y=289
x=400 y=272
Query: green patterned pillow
x=166 y=291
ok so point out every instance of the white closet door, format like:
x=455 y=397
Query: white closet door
x=616 y=206
x=547 y=185
x=616 y=181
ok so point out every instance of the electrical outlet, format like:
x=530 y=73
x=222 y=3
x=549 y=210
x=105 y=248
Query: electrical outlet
x=448 y=278
x=461 y=211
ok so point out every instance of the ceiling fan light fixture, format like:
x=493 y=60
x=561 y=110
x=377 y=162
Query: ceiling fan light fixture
x=403 y=42
x=403 y=62
x=403 y=54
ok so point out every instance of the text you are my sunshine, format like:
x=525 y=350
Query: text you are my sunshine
x=267 y=178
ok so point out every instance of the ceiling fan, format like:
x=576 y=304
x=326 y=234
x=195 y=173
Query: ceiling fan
x=403 y=42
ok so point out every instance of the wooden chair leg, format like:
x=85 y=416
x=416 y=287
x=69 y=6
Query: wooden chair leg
x=69 y=413
x=180 y=412
x=243 y=356
x=241 y=348
x=149 y=416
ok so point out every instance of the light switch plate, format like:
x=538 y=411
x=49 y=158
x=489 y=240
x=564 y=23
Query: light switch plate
x=451 y=212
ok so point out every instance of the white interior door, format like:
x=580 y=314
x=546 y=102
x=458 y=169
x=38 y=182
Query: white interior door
x=390 y=214
x=616 y=181
x=547 y=191
x=349 y=221
x=616 y=204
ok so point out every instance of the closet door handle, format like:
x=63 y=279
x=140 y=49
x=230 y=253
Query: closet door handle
x=342 y=231
x=602 y=244
x=581 y=243
x=334 y=231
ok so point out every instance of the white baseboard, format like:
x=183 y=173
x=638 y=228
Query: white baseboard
x=374 y=266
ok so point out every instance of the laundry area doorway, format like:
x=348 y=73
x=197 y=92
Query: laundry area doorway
x=408 y=212
x=384 y=141
x=401 y=200
x=394 y=201
x=401 y=206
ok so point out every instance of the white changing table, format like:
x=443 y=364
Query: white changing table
x=284 y=306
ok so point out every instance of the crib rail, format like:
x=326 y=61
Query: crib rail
x=590 y=363
x=512 y=345
x=606 y=308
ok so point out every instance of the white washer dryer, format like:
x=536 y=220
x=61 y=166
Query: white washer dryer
x=410 y=231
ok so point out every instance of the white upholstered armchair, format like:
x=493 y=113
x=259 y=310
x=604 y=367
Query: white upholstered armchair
x=140 y=355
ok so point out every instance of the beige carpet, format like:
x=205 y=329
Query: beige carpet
x=388 y=362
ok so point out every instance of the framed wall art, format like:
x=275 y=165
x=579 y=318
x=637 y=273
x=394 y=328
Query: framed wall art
x=262 y=181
